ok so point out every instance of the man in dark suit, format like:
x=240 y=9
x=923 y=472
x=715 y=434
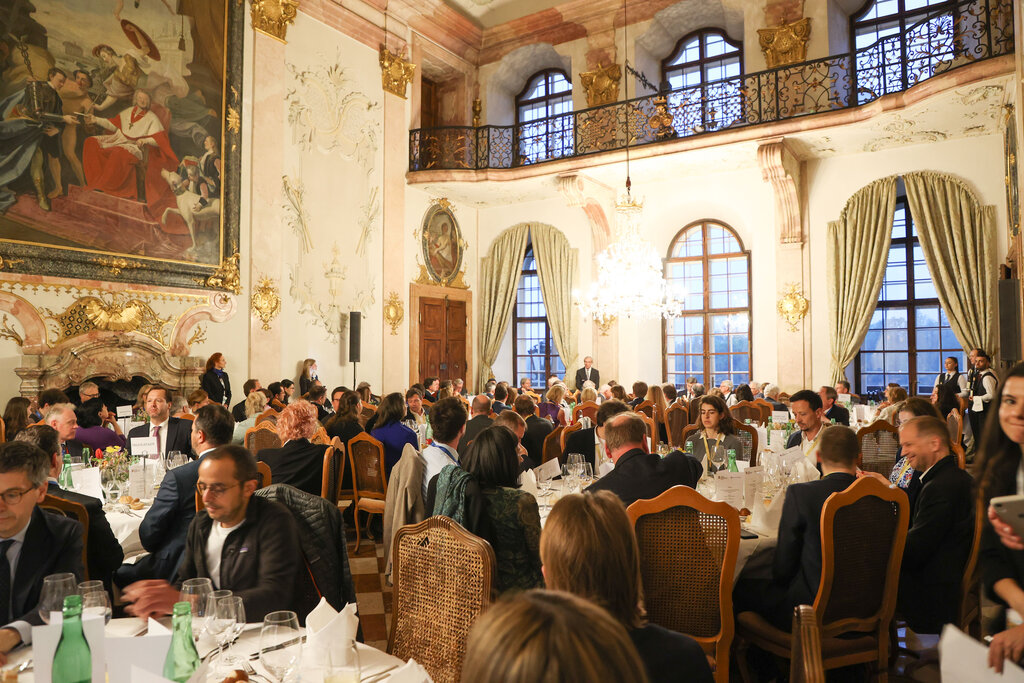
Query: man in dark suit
x=103 y=551
x=588 y=373
x=432 y=386
x=165 y=526
x=941 y=528
x=500 y=396
x=833 y=410
x=318 y=397
x=639 y=394
x=639 y=474
x=480 y=420
x=238 y=410
x=298 y=462
x=173 y=434
x=587 y=441
x=537 y=429
x=771 y=394
x=35 y=543
x=796 y=570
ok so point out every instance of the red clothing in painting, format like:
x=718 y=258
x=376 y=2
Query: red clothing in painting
x=110 y=160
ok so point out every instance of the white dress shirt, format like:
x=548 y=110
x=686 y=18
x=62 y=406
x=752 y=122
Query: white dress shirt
x=163 y=435
x=436 y=457
x=13 y=554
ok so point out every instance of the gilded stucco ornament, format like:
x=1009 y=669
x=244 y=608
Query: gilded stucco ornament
x=793 y=306
x=265 y=301
x=226 y=276
x=601 y=84
x=271 y=17
x=394 y=311
x=786 y=44
x=395 y=72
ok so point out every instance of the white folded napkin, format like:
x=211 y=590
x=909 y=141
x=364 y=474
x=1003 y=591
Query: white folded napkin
x=528 y=482
x=410 y=672
x=765 y=520
x=803 y=471
x=328 y=630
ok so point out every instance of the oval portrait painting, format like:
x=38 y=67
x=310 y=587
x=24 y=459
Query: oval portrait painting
x=441 y=243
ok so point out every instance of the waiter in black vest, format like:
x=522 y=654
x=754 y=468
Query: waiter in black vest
x=983 y=391
x=953 y=379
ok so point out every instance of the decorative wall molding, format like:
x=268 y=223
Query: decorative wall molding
x=265 y=301
x=582 y=191
x=786 y=44
x=782 y=170
x=395 y=72
x=272 y=17
x=394 y=311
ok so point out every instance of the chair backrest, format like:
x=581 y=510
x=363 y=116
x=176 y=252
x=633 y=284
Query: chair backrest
x=748 y=437
x=585 y=409
x=332 y=473
x=320 y=436
x=339 y=447
x=805 y=663
x=265 y=476
x=566 y=431
x=263 y=435
x=74 y=511
x=694 y=410
x=676 y=420
x=766 y=409
x=688 y=547
x=969 y=615
x=961 y=457
x=646 y=408
x=879 y=443
x=366 y=459
x=268 y=414
x=443 y=577
x=368 y=411
x=746 y=410
x=687 y=430
x=552 y=441
x=955 y=425
x=186 y=416
x=652 y=429
x=863 y=531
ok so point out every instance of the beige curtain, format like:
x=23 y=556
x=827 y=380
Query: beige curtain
x=499 y=279
x=858 y=247
x=958 y=237
x=556 y=270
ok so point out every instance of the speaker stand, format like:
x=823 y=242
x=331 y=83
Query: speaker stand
x=353 y=375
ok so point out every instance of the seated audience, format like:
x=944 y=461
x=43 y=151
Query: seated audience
x=717 y=430
x=33 y=543
x=945 y=400
x=298 y=462
x=727 y=392
x=639 y=394
x=366 y=394
x=843 y=387
x=588 y=548
x=903 y=474
x=172 y=433
x=512 y=514
x=165 y=525
x=344 y=424
x=894 y=395
x=255 y=404
x=590 y=441
x=432 y=386
x=480 y=410
x=639 y=474
x=48 y=398
x=317 y=395
x=618 y=392
x=277 y=396
x=459 y=388
x=500 y=396
x=771 y=394
x=809 y=417
x=103 y=552
x=61 y=416
x=414 y=405
x=448 y=422
x=17 y=414
x=671 y=394
x=833 y=411
x=389 y=430
x=289 y=390
x=755 y=390
x=238 y=412
x=698 y=390
x=93 y=420
x=512 y=421
x=743 y=393
x=537 y=429
x=87 y=391
x=243 y=543
x=541 y=636
x=552 y=406
x=660 y=412
x=197 y=399
x=179 y=406
x=588 y=393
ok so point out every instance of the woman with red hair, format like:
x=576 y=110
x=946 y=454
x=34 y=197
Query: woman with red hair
x=298 y=462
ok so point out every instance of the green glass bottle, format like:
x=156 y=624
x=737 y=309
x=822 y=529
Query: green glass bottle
x=689 y=448
x=72 y=663
x=731 y=454
x=182 y=657
x=64 y=480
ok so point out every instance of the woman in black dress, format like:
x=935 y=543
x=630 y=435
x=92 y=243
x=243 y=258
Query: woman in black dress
x=215 y=381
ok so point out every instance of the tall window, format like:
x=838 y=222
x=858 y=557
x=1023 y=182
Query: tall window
x=544 y=127
x=536 y=356
x=711 y=341
x=897 y=45
x=909 y=336
x=703 y=73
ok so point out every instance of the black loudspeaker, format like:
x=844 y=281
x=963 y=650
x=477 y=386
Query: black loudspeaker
x=355 y=323
x=1009 y=321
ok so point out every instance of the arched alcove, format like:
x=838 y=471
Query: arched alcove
x=511 y=75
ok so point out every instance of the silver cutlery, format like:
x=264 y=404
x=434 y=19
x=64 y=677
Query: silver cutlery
x=379 y=676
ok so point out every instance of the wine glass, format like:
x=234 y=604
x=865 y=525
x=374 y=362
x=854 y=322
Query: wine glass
x=196 y=592
x=280 y=644
x=176 y=459
x=718 y=458
x=211 y=604
x=342 y=664
x=223 y=622
x=56 y=587
x=588 y=474
x=110 y=484
x=97 y=602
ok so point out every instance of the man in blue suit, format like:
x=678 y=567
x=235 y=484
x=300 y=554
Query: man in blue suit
x=165 y=528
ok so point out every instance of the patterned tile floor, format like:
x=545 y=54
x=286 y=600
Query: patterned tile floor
x=373 y=595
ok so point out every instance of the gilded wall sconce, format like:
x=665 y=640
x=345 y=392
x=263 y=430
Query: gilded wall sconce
x=394 y=311
x=265 y=301
x=793 y=306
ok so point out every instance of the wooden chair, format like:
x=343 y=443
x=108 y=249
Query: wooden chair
x=551 y=450
x=652 y=430
x=961 y=457
x=784 y=399
x=443 y=578
x=185 y=416
x=969 y=614
x=564 y=436
x=585 y=409
x=368 y=411
x=689 y=429
x=879 y=443
x=805 y=663
x=369 y=483
x=746 y=410
x=268 y=414
x=76 y=511
x=346 y=497
x=688 y=547
x=263 y=480
x=263 y=435
x=3 y=431
x=766 y=409
x=748 y=437
x=320 y=437
x=694 y=411
x=676 y=420
x=331 y=474
x=645 y=408
x=955 y=425
x=863 y=531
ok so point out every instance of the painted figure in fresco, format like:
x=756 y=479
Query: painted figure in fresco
x=120 y=73
x=442 y=252
x=76 y=100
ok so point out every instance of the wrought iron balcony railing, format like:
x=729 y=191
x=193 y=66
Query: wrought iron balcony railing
x=953 y=35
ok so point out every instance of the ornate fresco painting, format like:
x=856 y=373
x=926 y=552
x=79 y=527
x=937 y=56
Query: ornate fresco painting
x=441 y=244
x=119 y=138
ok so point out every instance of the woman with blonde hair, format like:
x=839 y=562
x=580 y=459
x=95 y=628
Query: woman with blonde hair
x=307 y=376
x=588 y=394
x=656 y=396
x=549 y=637
x=553 y=403
x=298 y=462
x=255 y=403
x=588 y=548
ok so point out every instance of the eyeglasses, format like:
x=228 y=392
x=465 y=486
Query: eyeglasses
x=13 y=496
x=214 y=489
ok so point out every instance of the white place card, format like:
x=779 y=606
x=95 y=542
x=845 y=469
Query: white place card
x=964 y=659
x=87 y=482
x=145 y=446
x=124 y=411
x=846 y=399
x=46 y=637
x=140 y=658
x=753 y=485
x=605 y=468
x=791 y=456
x=548 y=470
x=780 y=416
x=777 y=439
x=729 y=488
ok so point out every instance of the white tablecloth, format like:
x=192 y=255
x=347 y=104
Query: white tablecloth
x=126 y=530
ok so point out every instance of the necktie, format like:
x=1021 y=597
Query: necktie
x=156 y=433
x=5 y=581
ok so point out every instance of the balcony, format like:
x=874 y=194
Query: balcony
x=951 y=36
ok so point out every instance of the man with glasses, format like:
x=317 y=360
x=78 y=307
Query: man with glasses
x=243 y=543
x=165 y=526
x=87 y=391
x=33 y=544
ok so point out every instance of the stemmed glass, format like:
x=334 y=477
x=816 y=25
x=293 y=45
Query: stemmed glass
x=544 y=486
x=211 y=604
x=56 y=587
x=224 y=623
x=95 y=600
x=718 y=458
x=175 y=459
x=111 y=484
x=343 y=664
x=280 y=644
x=197 y=592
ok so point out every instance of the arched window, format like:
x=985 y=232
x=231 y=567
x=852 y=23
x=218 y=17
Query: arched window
x=544 y=125
x=909 y=336
x=535 y=353
x=897 y=44
x=703 y=72
x=711 y=340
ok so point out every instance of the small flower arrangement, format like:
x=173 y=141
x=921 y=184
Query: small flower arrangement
x=114 y=457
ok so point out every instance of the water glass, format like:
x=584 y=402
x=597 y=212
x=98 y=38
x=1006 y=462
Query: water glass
x=196 y=592
x=211 y=604
x=56 y=587
x=175 y=459
x=97 y=603
x=718 y=458
x=342 y=664
x=281 y=644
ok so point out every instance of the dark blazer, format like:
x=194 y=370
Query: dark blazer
x=260 y=560
x=104 y=553
x=537 y=429
x=938 y=542
x=797 y=563
x=581 y=441
x=670 y=657
x=639 y=476
x=581 y=377
x=179 y=435
x=217 y=388
x=498 y=406
x=838 y=413
x=777 y=405
x=473 y=427
x=53 y=545
x=238 y=411
x=298 y=462
x=322 y=413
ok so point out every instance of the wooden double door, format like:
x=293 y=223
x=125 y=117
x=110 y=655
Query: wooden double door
x=442 y=338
